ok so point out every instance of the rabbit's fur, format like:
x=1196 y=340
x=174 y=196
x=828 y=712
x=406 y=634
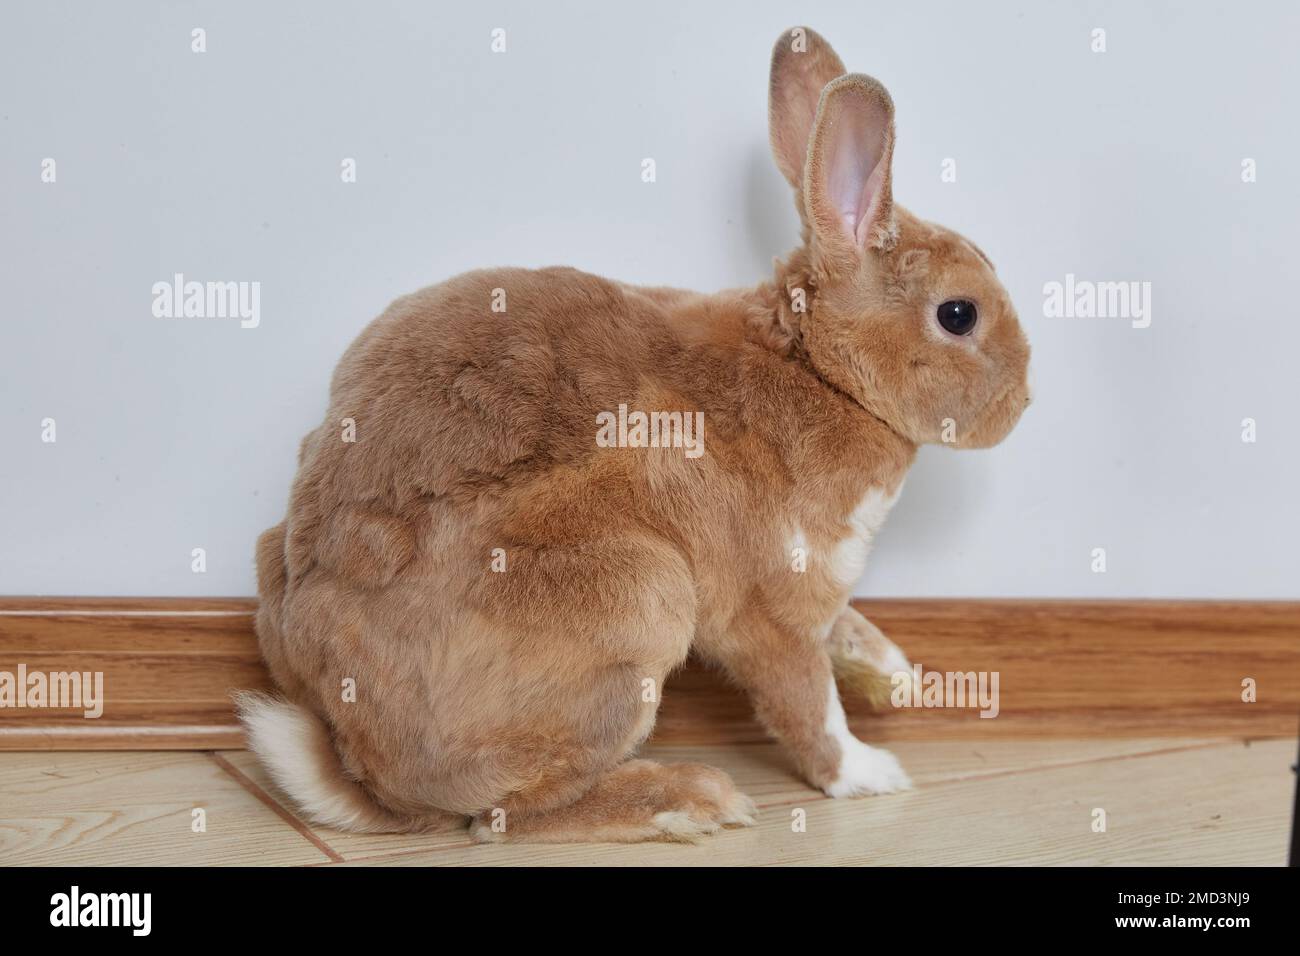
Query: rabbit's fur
x=508 y=598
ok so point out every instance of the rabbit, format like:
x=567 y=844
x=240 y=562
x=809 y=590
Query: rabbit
x=472 y=605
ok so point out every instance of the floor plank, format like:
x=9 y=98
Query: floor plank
x=765 y=773
x=1169 y=802
x=350 y=846
x=131 y=809
x=1226 y=804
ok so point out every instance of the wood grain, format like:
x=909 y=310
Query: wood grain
x=136 y=809
x=169 y=666
x=1225 y=804
x=764 y=772
x=1168 y=801
x=1066 y=669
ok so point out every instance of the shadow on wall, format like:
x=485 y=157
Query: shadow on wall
x=944 y=487
x=773 y=226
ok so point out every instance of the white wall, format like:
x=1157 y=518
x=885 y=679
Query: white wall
x=1123 y=165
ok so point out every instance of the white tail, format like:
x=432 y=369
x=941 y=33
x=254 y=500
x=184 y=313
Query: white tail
x=295 y=748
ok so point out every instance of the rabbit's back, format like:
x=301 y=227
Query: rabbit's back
x=474 y=431
x=451 y=421
x=446 y=392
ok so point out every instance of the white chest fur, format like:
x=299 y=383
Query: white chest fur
x=849 y=558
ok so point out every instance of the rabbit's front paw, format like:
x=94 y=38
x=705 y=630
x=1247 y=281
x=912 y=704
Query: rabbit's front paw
x=865 y=770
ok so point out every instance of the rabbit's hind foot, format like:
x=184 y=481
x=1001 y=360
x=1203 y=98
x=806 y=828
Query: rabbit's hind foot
x=637 y=801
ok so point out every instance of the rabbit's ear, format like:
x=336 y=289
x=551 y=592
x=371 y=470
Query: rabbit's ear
x=802 y=64
x=846 y=184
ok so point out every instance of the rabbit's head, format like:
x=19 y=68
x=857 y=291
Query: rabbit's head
x=908 y=318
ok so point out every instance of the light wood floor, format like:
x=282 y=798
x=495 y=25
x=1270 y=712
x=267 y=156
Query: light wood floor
x=1167 y=802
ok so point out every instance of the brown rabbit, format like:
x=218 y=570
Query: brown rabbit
x=473 y=602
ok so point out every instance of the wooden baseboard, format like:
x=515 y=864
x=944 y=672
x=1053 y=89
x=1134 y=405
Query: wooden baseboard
x=1066 y=668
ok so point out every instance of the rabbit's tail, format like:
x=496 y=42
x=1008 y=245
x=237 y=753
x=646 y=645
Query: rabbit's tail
x=295 y=747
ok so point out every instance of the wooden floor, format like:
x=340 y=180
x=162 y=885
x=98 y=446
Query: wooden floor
x=1167 y=802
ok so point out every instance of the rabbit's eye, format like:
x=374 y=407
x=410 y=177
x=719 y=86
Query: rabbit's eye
x=958 y=316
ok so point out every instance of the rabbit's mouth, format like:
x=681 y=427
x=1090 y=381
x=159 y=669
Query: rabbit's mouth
x=998 y=417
